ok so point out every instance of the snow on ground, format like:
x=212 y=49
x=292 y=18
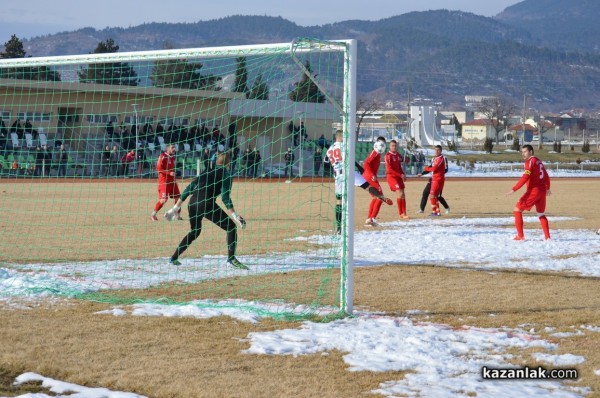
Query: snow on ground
x=441 y=361
x=60 y=389
x=482 y=243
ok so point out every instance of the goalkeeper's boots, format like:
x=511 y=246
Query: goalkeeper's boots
x=236 y=263
x=174 y=262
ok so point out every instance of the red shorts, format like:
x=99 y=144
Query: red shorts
x=535 y=197
x=168 y=190
x=395 y=183
x=436 y=188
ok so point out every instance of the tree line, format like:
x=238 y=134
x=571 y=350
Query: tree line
x=179 y=73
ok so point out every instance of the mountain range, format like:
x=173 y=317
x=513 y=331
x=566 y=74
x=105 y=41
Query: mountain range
x=546 y=49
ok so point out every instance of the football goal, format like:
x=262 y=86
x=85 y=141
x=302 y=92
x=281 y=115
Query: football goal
x=81 y=139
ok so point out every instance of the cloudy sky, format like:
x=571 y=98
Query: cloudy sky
x=30 y=18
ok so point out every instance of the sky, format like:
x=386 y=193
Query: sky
x=32 y=18
x=440 y=359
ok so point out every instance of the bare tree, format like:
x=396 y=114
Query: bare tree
x=543 y=126
x=497 y=109
x=365 y=107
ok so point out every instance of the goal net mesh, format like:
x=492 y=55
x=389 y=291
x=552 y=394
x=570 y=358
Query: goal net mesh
x=81 y=137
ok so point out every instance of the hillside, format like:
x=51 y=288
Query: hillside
x=442 y=55
x=559 y=24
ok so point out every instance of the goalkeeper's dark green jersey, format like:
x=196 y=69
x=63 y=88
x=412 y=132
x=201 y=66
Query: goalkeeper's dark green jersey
x=210 y=184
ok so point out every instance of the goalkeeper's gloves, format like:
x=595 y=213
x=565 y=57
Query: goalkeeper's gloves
x=239 y=220
x=173 y=213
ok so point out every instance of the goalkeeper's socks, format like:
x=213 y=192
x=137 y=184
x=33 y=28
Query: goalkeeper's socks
x=338 y=217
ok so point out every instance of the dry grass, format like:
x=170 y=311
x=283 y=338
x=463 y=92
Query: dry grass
x=174 y=357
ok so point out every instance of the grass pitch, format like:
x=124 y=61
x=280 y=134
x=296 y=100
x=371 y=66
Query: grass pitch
x=166 y=357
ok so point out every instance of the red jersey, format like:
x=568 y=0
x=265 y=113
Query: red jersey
x=437 y=168
x=535 y=176
x=128 y=157
x=393 y=165
x=165 y=165
x=371 y=165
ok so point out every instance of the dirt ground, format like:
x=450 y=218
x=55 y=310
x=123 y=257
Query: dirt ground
x=181 y=357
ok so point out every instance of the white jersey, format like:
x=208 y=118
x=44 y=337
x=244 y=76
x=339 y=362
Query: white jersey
x=335 y=156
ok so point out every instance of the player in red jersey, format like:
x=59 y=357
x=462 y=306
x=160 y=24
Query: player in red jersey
x=335 y=159
x=371 y=166
x=538 y=187
x=167 y=186
x=395 y=176
x=438 y=177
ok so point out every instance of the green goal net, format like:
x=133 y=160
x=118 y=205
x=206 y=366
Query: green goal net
x=81 y=140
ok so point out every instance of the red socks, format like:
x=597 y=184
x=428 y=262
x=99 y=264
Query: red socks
x=158 y=206
x=435 y=208
x=401 y=206
x=519 y=226
x=519 y=223
x=376 y=207
x=545 y=227
x=371 y=208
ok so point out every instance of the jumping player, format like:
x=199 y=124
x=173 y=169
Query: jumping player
x=438 y=170
x=538 y=187
x=395 y=177
x=335 y=158
x=167 y=186
x=371 y=166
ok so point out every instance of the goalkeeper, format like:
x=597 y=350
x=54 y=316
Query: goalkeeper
x=204 y=190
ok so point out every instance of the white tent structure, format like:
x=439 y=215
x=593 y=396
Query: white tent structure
x=423 y=127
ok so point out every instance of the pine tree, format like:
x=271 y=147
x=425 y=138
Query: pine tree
x=13 y=48
x=115 y=73
x=182 y=74
x=306 y=90
x=585 y=148
x=260 y=89
x=241 y=77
